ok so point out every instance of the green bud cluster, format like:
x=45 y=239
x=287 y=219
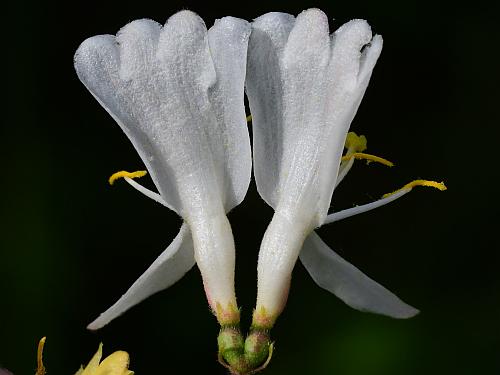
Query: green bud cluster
x=244 y=356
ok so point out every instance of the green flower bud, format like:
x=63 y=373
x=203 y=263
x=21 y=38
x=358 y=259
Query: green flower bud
x=257 y=347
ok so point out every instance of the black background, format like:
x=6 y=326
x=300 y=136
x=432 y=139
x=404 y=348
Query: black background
x=70 y=244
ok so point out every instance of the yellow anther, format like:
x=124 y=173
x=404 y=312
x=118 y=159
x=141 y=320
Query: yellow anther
x=368 y=157
x=249 y=118
x=356 y=143
x=122 y=174
x=438 y=185
x=39 y=357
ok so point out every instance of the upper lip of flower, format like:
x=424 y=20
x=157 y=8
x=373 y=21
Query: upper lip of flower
x=177 y=92
x=304 y=88
x=301 y=116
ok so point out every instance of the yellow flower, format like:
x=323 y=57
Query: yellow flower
x=114 y=364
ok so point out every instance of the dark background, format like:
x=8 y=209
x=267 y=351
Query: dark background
x=70 y=244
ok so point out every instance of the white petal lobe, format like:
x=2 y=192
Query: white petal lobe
x=137 y=43
x=345 y=94
x=265 y=91
x=369 y=58
x=155 y=83
x=167 y=269
x=348 y=283
x=230 y=142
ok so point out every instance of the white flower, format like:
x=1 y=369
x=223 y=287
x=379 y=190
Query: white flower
x=304 y=88
x=177 y=93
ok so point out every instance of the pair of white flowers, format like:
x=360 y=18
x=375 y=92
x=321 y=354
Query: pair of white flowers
x=177 y=92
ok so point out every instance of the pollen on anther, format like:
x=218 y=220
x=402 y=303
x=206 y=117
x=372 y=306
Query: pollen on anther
x=437 y=185
x=123 y=174
x=368 y=158
x=357 y=143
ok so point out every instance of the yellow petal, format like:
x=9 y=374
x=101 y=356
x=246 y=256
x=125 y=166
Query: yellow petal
x=114 y=364
x=91 y=368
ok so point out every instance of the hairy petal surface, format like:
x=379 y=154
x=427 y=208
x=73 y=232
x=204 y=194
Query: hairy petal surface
x=166 y=88
x=265 y=92
x=304 y=88
x=228 y=42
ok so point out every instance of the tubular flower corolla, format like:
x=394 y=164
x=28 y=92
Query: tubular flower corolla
x=177 y=93
x=304 y=87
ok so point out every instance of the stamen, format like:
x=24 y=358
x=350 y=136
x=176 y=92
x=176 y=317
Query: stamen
x=438 y=185
x=39 y=357
x=386 y=198
x=148 y=193
x=129 y=176
x=123 y=174
x=367 y=157
x=249 y=118
x=356 y=143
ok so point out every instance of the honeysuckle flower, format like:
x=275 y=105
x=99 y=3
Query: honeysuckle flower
x=177 y=93
x=304 y=87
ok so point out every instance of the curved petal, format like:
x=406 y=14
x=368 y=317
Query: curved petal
x=166 y=270
x=93 y=364
x=228 y=42
x=349 y=73
x=348 y=283
x=97 y=64
x=304 y=67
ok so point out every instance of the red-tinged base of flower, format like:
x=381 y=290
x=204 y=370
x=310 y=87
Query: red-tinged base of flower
x=227 y=316
x=262 y=320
